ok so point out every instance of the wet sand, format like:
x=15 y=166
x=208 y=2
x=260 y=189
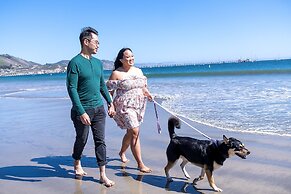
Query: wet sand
x=36 y=141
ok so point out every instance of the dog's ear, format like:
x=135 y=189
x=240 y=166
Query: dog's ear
x=225 y=139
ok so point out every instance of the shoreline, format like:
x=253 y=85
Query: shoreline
x=37 y=148
x=234 y=130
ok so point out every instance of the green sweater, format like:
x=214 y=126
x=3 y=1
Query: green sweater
x=85 y=83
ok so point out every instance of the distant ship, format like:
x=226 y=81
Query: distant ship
x=245 y=60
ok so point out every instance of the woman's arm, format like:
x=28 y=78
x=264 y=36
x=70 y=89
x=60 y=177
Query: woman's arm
x=147 y=93
x=114 y=76
x=145 y=90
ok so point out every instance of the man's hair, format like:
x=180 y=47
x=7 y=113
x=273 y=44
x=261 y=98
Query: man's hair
x=86 y=33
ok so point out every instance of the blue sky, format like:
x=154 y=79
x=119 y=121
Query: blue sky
x=179 y=31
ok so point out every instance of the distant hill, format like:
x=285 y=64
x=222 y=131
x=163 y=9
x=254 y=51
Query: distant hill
x=10 y=66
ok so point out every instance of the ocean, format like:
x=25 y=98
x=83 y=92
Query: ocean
x=252 y=97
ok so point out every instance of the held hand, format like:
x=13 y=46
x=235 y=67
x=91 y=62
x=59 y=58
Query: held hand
x=111 y=111
x=85 y=119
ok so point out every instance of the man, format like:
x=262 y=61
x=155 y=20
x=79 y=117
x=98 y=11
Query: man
x=85 y=85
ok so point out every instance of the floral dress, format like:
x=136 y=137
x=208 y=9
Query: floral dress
x=129 y=102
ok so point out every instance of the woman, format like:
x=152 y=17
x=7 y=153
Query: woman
x=130 y=102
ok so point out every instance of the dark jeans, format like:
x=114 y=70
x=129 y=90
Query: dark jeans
x=97 y=116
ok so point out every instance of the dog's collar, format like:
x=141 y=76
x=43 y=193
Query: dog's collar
x=216 y=144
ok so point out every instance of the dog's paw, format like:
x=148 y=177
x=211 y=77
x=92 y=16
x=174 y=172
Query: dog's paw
x=197 y=179
x=217 y=189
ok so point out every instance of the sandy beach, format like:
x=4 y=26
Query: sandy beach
x=36 y=140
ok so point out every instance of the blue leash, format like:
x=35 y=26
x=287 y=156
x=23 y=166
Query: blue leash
x=157 y=117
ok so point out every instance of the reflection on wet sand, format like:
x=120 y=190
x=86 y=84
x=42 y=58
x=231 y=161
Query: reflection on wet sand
x=135 y=186
x=100 y=189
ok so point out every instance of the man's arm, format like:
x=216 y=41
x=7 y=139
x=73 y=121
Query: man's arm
x=72 y=83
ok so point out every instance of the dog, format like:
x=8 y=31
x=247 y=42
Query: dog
x=207 y=154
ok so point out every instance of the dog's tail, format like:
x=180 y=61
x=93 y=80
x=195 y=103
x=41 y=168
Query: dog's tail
x=172 y=123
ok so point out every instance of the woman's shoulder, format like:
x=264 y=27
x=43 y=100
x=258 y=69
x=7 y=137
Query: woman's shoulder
x=138 y=71
x=136 y=68
x=116 y=75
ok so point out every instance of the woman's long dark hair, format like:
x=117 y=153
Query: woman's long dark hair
x=117 y=62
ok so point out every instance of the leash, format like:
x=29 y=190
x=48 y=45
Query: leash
x=176 y=115
x=157 y=117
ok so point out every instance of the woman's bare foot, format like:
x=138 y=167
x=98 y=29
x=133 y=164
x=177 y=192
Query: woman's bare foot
x=78 y=168
x=107 y=182
x=123 y=158
x=144 y=169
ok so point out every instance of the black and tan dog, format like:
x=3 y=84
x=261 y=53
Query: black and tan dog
x=207 y=154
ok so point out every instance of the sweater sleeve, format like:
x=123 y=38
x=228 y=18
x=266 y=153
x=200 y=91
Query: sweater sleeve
x=72 y=84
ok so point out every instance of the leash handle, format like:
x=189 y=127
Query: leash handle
x=157 y=117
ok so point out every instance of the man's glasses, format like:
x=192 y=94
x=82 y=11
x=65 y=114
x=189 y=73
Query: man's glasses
x=96 y=42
